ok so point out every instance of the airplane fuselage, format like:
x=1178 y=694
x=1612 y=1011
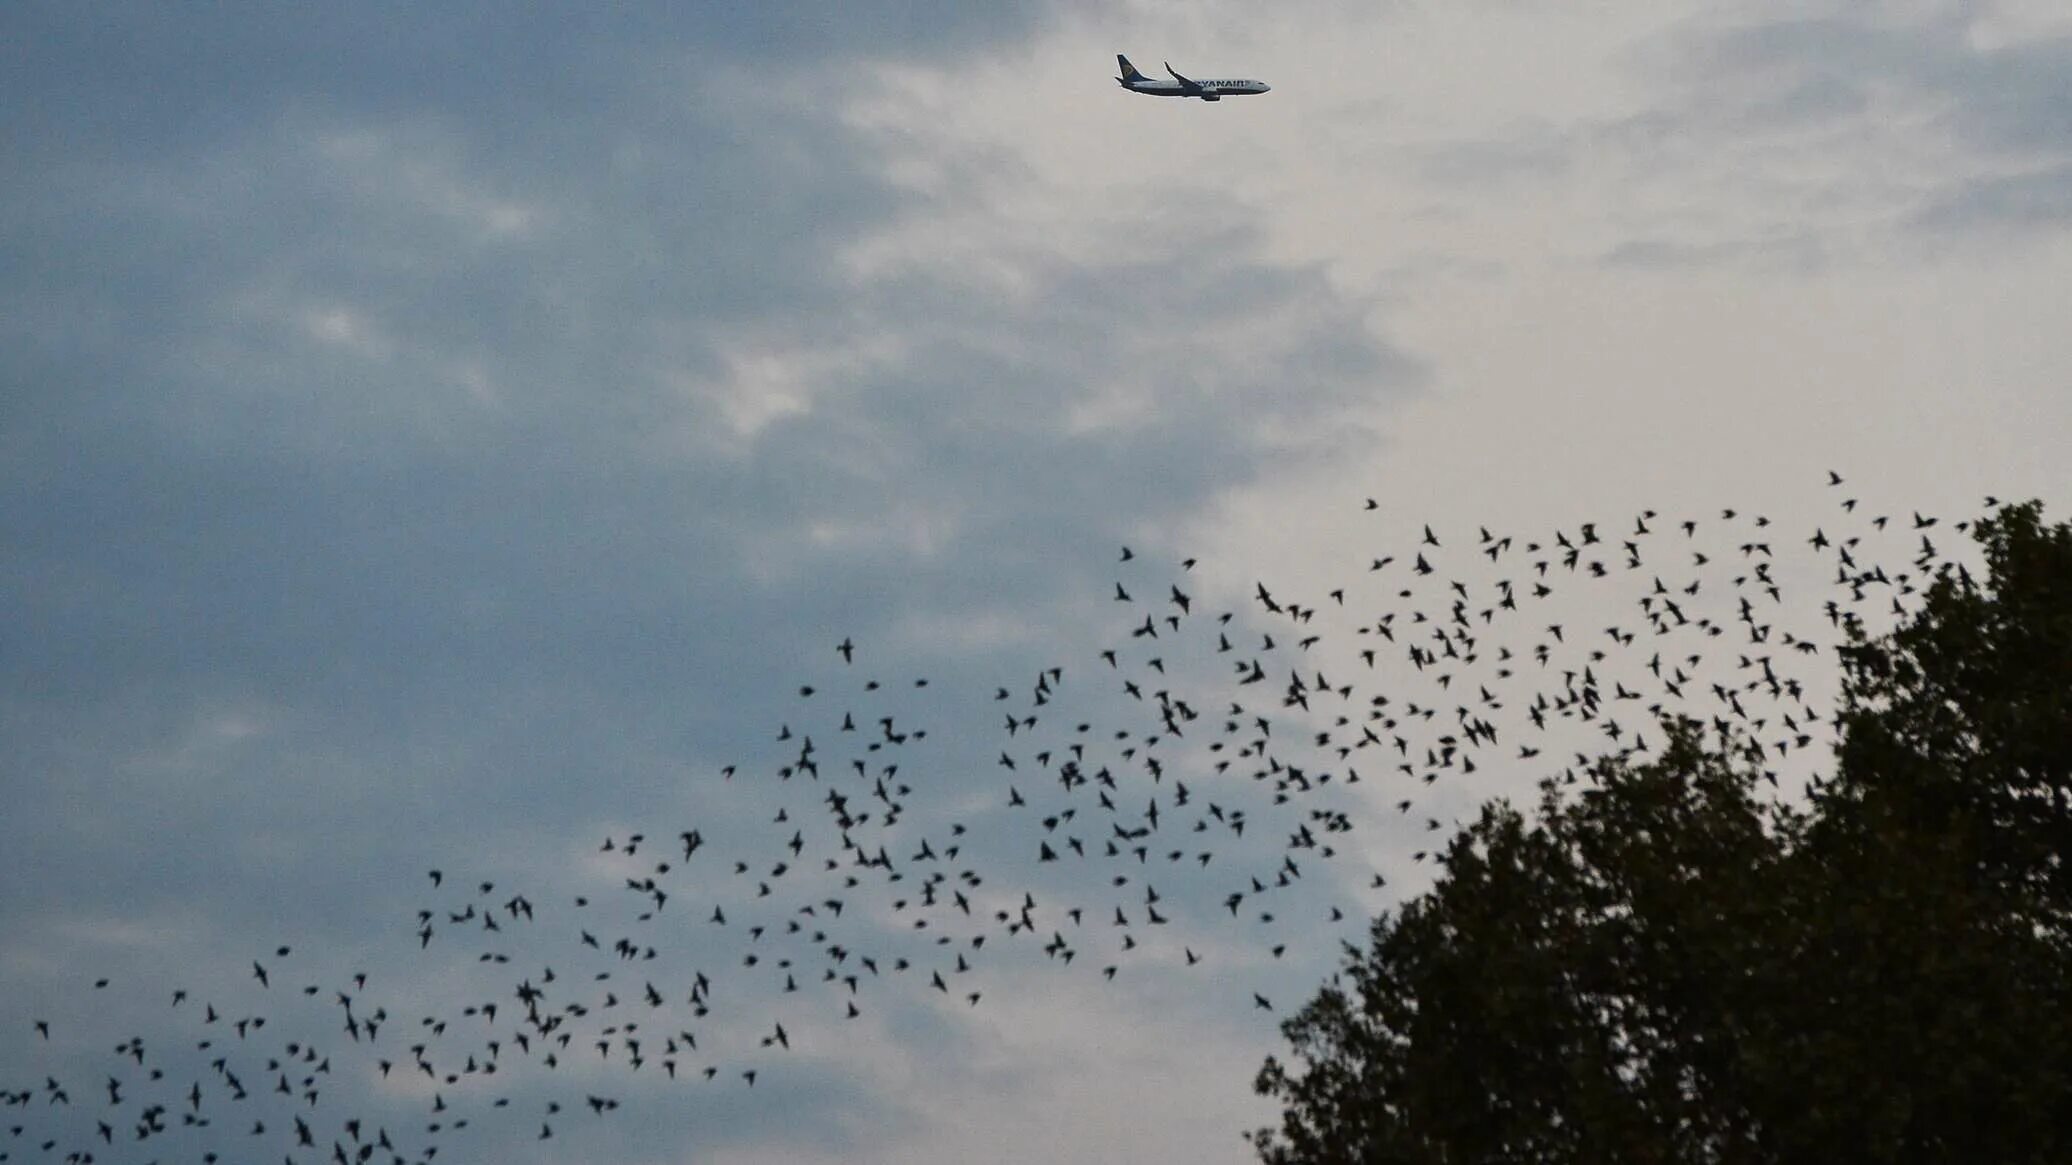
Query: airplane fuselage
x=1206 y=90
x=1179 y=86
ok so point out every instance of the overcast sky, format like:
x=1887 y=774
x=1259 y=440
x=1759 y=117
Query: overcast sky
x=446 y=437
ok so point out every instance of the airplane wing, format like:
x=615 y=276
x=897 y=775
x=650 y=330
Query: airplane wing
x=1194 y=85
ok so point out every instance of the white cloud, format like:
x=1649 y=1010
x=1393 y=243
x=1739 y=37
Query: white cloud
x=524 y=452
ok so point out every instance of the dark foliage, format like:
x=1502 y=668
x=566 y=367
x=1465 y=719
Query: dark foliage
x=1670 y=966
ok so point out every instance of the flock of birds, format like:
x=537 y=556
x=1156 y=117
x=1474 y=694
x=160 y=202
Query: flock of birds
x=1212 y=790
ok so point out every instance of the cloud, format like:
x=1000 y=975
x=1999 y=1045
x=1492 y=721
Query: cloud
x=2012 y=204
x=1802 y=254
x=2007 y=95
x=1786 y=140
x=1965 y=126
x=444 y=441
x=141 y=80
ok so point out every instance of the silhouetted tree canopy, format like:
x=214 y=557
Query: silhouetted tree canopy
x=1671 y=966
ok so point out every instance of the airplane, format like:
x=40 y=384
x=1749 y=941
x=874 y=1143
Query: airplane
x=1180 y=86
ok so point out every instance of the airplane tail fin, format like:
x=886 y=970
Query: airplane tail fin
x=1129 y=71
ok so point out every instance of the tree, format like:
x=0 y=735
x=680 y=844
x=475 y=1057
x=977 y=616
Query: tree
x=1671 y=966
